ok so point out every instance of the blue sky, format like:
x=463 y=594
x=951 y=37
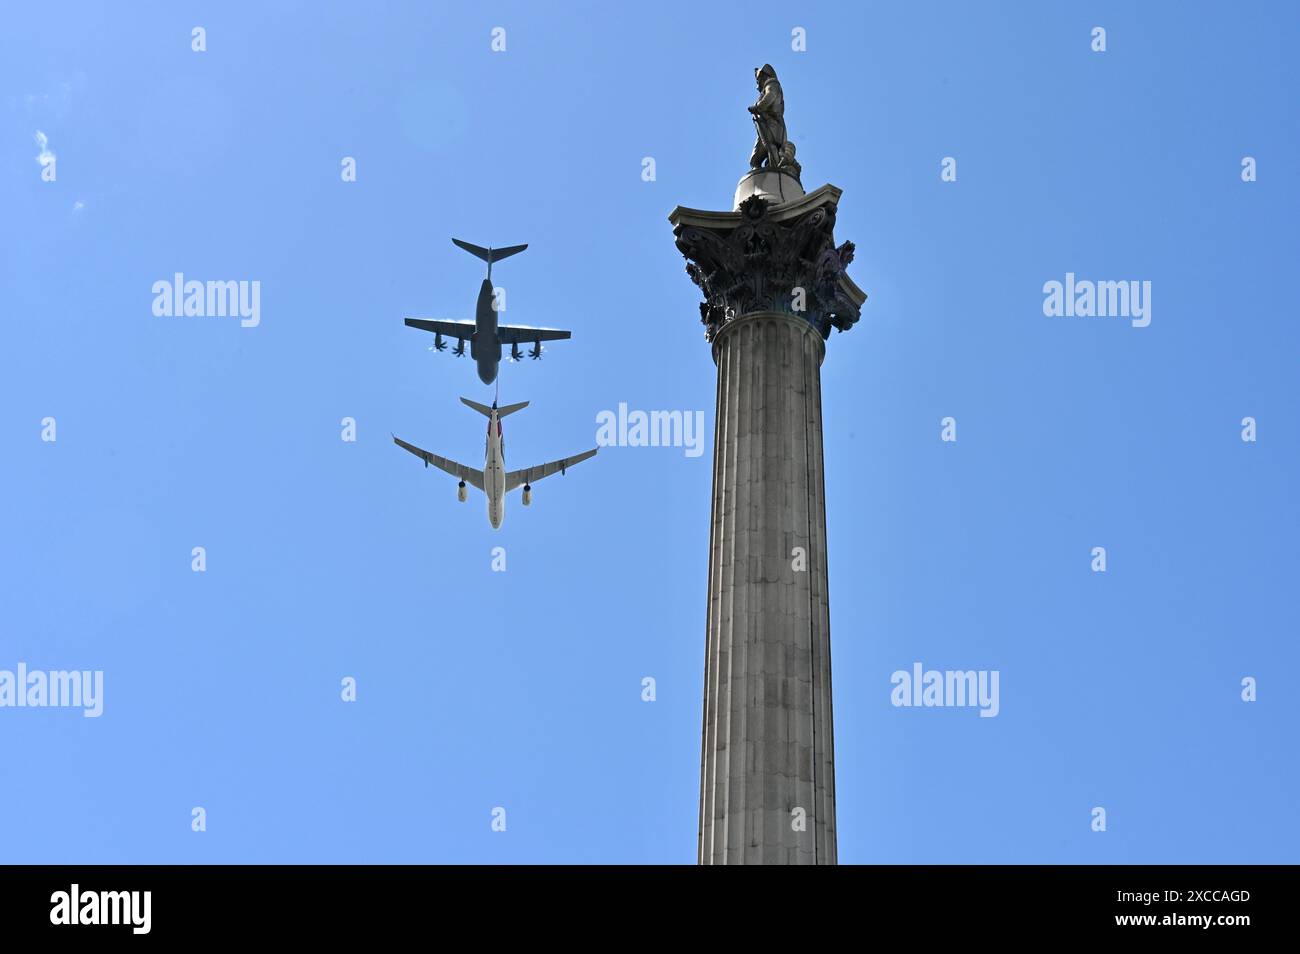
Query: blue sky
x=522 y=689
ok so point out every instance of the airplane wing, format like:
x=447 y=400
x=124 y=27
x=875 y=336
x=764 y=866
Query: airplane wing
x=468 y=474
x=453 y=329
x=531 y=475
x=522 y=334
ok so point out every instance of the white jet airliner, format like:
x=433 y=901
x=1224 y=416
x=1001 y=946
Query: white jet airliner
x=494 y=480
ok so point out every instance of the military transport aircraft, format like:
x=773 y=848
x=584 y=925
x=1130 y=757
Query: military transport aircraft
x=494 y=480
x=484 y=335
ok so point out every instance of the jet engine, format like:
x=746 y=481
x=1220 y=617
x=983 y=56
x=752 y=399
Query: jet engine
x=461 y=493
x=528 y=495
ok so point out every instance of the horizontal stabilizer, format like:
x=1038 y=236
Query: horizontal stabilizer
x=487 y=411
x=489 y=255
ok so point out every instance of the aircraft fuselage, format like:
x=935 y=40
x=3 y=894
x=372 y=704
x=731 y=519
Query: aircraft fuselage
x=494 y=472
x=485 y=347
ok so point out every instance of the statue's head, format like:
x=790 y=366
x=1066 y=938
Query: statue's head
x=763 y=73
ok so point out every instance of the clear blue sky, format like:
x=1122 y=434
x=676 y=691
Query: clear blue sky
x=522 y=689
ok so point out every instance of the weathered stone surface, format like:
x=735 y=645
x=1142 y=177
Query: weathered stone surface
x=767 y=747
x=766 y=257
x=772 y=185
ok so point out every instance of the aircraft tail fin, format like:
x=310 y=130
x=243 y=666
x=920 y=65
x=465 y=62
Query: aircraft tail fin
x=487 y=411
x=489 y=255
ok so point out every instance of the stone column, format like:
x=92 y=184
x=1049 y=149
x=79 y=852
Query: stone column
x=774 y=286
x=768 y=749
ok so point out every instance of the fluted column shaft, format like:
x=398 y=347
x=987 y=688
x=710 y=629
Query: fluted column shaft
x=768 y=750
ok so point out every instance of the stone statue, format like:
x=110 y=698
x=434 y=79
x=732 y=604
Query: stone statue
x=772 y=148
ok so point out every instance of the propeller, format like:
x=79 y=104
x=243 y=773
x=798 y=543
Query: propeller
x=514 y=351
x=460 y=348
x=438 y=343
x=536 y=351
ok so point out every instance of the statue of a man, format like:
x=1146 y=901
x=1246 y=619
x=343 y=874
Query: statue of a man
x=771 y=147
